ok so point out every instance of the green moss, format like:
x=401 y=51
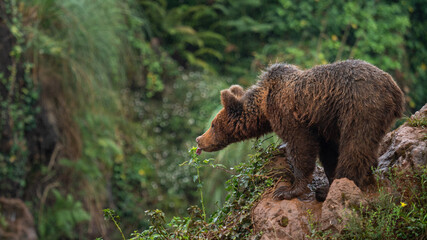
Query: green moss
x=417 y=122
x=284 y=222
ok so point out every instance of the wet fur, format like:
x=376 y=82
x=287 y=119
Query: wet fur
x=338 y=112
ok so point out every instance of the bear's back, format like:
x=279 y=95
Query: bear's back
x=335 y=91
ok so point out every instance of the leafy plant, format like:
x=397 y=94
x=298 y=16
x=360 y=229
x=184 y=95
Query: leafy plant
x=417 y=122
x=398 y=212
x=245 y=187
x=111 y=214
x=60 y=219
x=19 y=97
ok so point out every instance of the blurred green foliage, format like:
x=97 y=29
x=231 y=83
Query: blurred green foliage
x=139 y=80
x=64 y=215
x=18 y=106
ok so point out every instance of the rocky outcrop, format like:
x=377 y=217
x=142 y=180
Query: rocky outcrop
x=286 y=219
x=292 y=219
x=343 y=195
x=16 y=221
x=405 y=148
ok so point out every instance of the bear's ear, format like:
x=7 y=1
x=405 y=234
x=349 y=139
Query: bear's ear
x=230 y=102
x=237 y=90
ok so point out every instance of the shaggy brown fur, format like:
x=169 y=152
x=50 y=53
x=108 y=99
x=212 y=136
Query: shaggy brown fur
x=338 y=112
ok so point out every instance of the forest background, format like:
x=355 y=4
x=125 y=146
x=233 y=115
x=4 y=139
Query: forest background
x=100 y=100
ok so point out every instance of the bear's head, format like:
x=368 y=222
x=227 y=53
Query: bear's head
x=224 y=128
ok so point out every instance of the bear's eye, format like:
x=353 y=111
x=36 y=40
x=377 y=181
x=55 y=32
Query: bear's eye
x=212 y=125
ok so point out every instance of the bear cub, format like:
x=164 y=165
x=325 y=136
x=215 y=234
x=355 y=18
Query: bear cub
x=336 y=112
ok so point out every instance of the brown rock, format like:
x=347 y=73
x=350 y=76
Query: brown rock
x=286 y=219
x=343 y=195
x=405 y=147
x=289 y=219
x=19 y=221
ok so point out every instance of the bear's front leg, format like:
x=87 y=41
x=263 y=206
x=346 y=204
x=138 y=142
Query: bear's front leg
x=302 y=149
x=299 y=187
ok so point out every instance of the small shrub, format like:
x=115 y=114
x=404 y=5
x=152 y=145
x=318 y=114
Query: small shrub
x=417 y=122
x=248 y=182
x=399 y=211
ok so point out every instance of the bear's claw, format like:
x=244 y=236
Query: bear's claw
x=282 y=193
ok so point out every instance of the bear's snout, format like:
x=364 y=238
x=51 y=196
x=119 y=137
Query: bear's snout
x=204 y=142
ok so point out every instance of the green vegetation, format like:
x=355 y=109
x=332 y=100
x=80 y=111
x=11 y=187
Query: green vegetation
x=417 y=122
x=399 y=211
x=248 y=181
x=101 y=99
x=396 y=211
x=18 y=107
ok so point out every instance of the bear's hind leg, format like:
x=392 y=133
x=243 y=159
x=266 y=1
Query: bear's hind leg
x=328 y=156
x=303 y=149
x=357 y=155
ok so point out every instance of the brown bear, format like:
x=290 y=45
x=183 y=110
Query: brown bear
x=338 y=112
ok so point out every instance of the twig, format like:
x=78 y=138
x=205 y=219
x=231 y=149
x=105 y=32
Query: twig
x=43 y=198
x=117 y=225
